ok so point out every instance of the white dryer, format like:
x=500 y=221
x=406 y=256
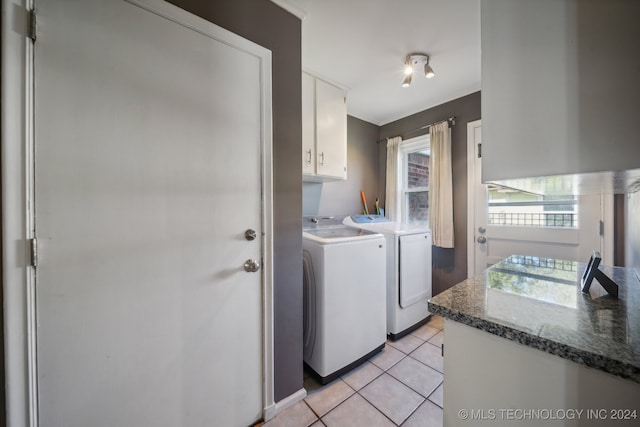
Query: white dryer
x=408 y=271
x=344 y=297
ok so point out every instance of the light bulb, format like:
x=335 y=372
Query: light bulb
x=408 y=69
x=407 y=81
x=428 y=71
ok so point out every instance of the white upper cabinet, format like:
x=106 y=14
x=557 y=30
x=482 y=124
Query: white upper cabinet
x=308 y=125
x=560 y=88
x=324 y=131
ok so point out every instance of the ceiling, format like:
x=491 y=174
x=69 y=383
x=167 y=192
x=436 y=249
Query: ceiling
x=361 y=46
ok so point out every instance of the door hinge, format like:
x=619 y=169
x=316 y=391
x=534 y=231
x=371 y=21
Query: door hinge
x=32 y=25
x=33 y=243
x=479 y=150
x=601 y=228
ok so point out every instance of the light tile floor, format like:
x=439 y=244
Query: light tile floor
x=400 y=386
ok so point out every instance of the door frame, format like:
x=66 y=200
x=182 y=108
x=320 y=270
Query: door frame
x=17 y=171
x=606 y=210
x=471 y=200
x=17 y=188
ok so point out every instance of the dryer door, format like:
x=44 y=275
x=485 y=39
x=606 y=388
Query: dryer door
x=415 y=268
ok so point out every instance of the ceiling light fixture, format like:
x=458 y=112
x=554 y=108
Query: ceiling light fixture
x=408 y=68
x=428 y=71
x=407 y=81
x=412 y=60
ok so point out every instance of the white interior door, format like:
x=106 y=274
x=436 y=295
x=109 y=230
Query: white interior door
x=489 y=244
x=149 y=136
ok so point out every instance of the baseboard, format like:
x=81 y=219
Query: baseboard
x=272 y=410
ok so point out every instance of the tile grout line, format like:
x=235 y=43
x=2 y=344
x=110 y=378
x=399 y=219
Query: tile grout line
x=401 y=382
x=419 y=393
x=385 y=371
x=377 y=409
x=367 y=400
x=412 y=412
x=354 y=393
x=427 y=365
x=314 y=412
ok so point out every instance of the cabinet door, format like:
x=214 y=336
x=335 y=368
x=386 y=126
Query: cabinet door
x=308 y=125
x=331 y=131
x=559 y=87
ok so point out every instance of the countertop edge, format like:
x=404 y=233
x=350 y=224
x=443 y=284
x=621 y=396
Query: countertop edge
x=596 y=361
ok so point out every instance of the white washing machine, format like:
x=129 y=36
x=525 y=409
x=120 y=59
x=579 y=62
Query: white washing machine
x=344 y=297
x=408 y=271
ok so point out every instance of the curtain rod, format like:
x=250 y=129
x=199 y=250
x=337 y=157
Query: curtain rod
x=451 y=120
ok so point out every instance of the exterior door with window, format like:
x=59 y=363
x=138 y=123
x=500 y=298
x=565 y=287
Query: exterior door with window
x=503 y=221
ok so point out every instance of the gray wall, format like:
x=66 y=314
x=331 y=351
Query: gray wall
x=272 y=27
x=449 y=265
x=632 y=235
x=341 y=198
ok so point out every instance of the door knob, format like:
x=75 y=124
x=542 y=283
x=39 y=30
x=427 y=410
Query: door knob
x=251 y=266
x=481 y=239
x=250 y=234
x=482 y=230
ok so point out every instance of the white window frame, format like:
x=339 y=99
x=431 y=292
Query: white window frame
x=419 y=143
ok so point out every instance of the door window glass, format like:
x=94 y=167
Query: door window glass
x=509 y=207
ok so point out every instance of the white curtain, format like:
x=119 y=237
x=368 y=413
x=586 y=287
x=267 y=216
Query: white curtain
x=392 y=201
x=441 y=186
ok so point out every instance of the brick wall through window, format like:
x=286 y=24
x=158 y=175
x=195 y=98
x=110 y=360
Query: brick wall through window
x=418 y=174
x=418 y=177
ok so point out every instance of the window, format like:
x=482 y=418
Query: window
x=511 y=207
x=414 y=175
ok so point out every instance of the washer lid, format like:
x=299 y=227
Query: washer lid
x=339 y=234
x=389 y=227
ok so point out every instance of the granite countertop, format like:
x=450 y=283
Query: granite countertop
x=538 y=302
